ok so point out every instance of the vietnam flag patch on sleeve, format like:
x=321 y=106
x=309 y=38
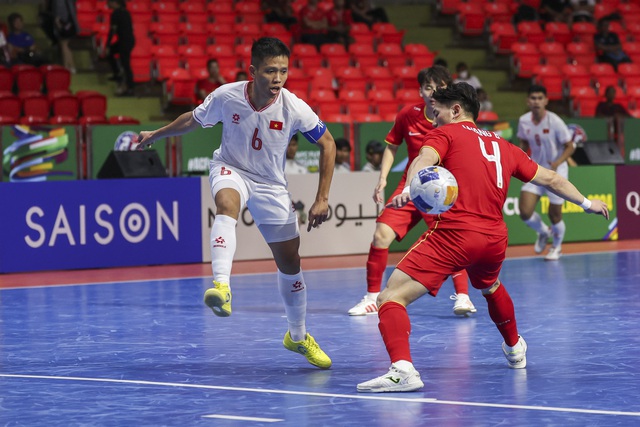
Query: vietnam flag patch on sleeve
x=273 y=124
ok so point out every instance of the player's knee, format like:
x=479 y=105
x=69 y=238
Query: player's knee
x=382 y=237
x=492 y=289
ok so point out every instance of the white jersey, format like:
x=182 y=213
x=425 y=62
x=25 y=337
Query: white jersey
x=546 y=139
x=255 y=142
x=292 y=167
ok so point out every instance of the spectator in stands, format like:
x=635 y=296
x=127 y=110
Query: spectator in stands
x=121 y=41
x=5 y=58
x=582 y=10
x=339 y=21
x=464 y=75
x=279 y=11
x=241 y=76
x=362 y=11
x=374 y=151
x=554 y=10
x=524 y=12
x=21 y=45
x=608 y=47
x=291 y=166
x=313 y=24
x=483 y=98
x=65 y=19
x=343 y=155
x=610 y=108
x=205 y=86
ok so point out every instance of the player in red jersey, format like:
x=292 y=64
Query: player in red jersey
x=472 y=234
x=412 y=123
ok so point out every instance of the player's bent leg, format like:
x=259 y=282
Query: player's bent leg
x=527 y=203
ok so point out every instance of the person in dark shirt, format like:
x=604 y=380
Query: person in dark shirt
x=121 y=29
x=608 y=45
x=610 y=108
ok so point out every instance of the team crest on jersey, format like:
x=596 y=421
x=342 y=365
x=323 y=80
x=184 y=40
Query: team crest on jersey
x=236 y=118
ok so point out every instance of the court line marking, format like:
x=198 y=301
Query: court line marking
x=236 y=417
x=329 y=395
x=61 y=285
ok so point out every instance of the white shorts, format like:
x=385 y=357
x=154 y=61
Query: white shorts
x=539 y=190
x=268 y=204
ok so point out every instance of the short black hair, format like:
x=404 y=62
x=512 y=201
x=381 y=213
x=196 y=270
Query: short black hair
x=211 y=61
x=438 y=74
x=461 y=93
x=11 y=19
x=374 y=147
x=537 y=88
x=342 y=143
x=267 y=47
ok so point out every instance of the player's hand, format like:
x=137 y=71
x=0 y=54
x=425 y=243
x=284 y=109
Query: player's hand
x=598 y=207
x=318 y=214
x=400 y=200
x=145 y=139
x=379 y=192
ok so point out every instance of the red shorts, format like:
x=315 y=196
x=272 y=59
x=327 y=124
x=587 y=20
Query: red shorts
x=440 y=253
x=400 y=220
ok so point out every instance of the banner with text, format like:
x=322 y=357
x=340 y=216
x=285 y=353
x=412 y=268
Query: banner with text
x=628 y=190
x=93 y=224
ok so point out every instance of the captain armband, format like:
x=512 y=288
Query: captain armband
x=316 y=133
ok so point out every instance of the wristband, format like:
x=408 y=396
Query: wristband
x=407 y=189
x=586 y=204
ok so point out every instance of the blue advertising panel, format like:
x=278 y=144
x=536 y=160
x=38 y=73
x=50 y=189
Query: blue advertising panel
x=106 y=223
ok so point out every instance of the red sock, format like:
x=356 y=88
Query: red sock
x=503 y=314
x=395 y=328
x=461 y=282
x=376 y=264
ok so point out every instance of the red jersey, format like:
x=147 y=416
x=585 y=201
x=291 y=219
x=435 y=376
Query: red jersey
x=411 y=125
x=334 y=18
x=207 y=85
x=483 y=164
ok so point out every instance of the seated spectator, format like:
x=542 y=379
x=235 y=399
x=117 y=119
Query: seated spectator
x=313 y=24
x=610 y=108
x=205 y=86
x=524 y=12
x=279 y=11
x=608 y=47
x=343 y=156
x=241 y=76
x=339 y=21
x=21 y=45
x=464 y=75
x=374 y=152
x=291 y=166
x=582 y=10
x=554 y=11
x=483 y=98
x=362 y=11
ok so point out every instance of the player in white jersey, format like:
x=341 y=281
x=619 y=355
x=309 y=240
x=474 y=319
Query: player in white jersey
x=259 y=118
x=550 y=142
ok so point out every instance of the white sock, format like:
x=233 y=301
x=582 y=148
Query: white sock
x=537 y=224
x=223 y=247
x=404 y=365
x=558 y=233
x=294 y=295
x=373 y=295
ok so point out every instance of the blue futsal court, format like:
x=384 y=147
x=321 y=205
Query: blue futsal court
x=149 y=353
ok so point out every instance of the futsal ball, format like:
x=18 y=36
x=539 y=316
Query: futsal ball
x=433 y=190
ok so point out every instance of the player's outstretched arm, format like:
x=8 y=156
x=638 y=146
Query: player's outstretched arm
x=183 y=124
x=565 y=189
x=320 y=209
